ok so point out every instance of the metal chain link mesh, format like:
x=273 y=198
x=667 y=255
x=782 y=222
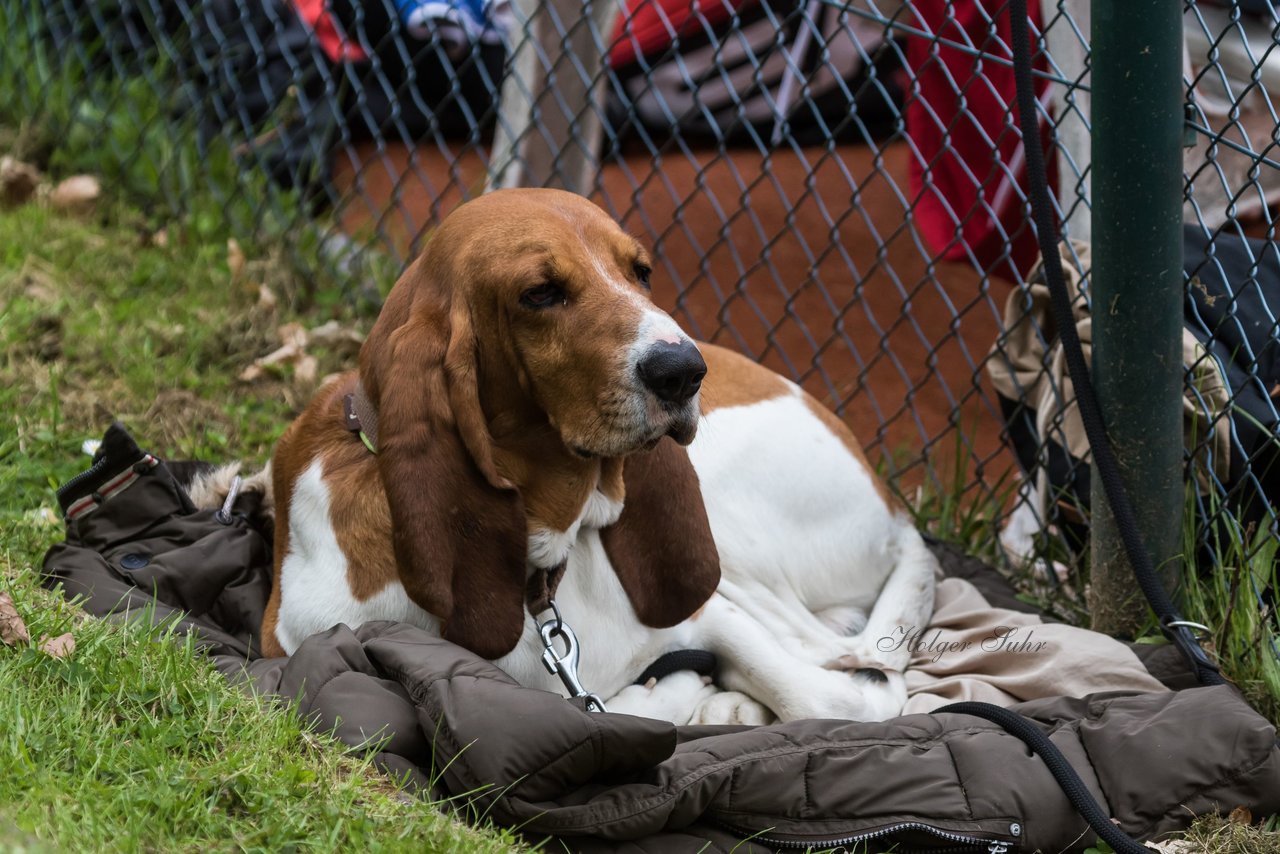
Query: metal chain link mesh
x=834 y=188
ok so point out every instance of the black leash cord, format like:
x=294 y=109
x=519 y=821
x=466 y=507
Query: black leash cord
x=1072 y=786
x=1104 y=460
x=1103 y=456
x=699 y=661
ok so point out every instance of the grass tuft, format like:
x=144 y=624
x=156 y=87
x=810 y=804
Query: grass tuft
x=135 y=742
x=1235 y=596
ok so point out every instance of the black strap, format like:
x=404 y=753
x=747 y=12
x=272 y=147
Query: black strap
x=1103 y=457
x=698 y=660
x=360 y=417
x=1072 y=786
x=540 y=589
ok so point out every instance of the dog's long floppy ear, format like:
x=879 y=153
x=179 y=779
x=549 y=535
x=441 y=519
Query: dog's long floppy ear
x=661 y=545
x=458 y=528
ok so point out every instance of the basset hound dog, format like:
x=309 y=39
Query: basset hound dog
x=542 y=427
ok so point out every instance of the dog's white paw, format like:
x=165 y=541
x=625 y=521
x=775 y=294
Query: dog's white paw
x=731 y=707
x=872 y=695
x=673 y=698
x=863 y=653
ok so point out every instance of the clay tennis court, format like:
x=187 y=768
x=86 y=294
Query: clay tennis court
x=764 y=271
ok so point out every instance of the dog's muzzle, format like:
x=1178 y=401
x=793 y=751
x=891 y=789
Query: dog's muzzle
x=673 y=372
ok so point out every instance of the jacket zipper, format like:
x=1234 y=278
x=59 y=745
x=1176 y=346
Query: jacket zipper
x=966 y=843
x=95 y=469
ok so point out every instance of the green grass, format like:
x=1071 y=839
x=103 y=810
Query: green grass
x=97 y=323
x=139 y=135
x=1228 y=598
x=135 y=742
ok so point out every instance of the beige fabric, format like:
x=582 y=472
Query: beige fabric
x=1027 y=364
x=972 y=651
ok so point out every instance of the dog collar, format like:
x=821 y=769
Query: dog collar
x=359 y=417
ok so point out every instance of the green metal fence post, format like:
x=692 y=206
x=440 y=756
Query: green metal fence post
x=1137 y=287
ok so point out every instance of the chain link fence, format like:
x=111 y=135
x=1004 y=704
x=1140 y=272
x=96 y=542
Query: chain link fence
x=834 y=188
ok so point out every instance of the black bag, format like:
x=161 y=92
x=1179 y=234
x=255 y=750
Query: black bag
x=1231 y=308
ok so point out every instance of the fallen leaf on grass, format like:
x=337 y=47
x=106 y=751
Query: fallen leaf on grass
x=341 y=339
x=293 y=350
x=60 y=647
x=1241 y=815
x=293 y=335
x=76 y=194
x=13 y=630
x=235 y=259
x=1174 y=846
x=40 y=292
x=294 y=340
x=266 y=299
x=242 y=277
x=305 y=369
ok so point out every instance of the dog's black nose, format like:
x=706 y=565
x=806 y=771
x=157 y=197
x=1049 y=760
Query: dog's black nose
x=673 y=372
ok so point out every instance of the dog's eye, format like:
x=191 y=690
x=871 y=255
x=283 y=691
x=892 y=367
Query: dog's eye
x=642 y=273
x=543 y=296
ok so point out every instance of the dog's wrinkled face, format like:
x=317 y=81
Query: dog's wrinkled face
x=563 y=294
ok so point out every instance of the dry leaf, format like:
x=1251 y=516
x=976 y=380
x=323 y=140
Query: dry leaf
x=40 y=292
x=235 y=259
x=306 y=369
x=59 y=647
x=12 y=630
x=342 y=340
x=334 y=332
x=76 y=194
x=293 y=334
x=266 y=299
x=160 y=238
x=293 y=351
x=1174 y=846
x=1241 y=815
x=18 y=181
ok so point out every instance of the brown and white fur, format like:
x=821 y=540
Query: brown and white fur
x=519 y=426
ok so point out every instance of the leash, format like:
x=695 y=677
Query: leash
x=1067 y=778
x=1176 y=629
x=700 y=661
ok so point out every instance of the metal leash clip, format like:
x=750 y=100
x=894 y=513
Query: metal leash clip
x=565 y=665
x=224 y=514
